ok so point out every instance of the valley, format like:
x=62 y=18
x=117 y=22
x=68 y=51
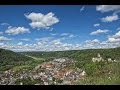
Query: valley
x=75 y=67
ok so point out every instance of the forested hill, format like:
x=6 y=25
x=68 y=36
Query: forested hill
x=85 y=54
x=9 y=59
x=10 y=55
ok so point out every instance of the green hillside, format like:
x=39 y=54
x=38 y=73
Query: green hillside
x=80 y=55
x=9 y=59
x=98 y=73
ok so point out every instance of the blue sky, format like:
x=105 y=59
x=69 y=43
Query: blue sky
x=59 y=27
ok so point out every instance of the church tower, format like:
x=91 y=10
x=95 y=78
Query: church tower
x=99 y=55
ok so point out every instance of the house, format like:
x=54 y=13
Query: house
x=61 y=60
x=47 y=66
x=110 y=60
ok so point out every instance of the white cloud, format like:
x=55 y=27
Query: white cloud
x=64 y=34
x=107 y=8
x=1 y=44
x=95 y=44
x=53 y=44
x=56 y=42
x=41 y=21
x=1 y=32
x=53 y=34
x=25 y=39
x=96 y=25
x=110 y=18
x=95 y=41
x=118 y=29
x=117 y=35
x=4 y=24
x=99 y=31
x=42 y=45
x=2 y=38
x=20 y=43
x=91 y=44
x=71 y=35
x=58 y=45
x=114 y=39
x=67 y=34
x=44 y=39
x=82 y=8
x=17 y=30
x=116 y=12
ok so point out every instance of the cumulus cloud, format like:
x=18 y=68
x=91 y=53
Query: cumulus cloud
x=42 y=21
x=110 y=18
x=117 y=35
x=96 y=25
x=20 y=43
x=56 y=42
x=107 y=8
x=114 y=38
x=58 y=45
x=95 y=41
x=17 y=30
x=50 y=45
x=2 y=38
x=96 y=44
x=99 y=31
x=91 y=44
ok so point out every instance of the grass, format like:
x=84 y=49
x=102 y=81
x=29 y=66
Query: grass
x=101 y=76
x=29 y=65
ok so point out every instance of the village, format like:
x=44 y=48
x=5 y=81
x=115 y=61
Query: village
x=54 y=72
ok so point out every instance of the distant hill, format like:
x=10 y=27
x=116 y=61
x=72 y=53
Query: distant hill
x=85 y=54
x=10 y=55
x=9 y=59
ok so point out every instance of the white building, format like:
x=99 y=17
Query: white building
x=83 y=73
x=98 y=58
x=60 y=60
